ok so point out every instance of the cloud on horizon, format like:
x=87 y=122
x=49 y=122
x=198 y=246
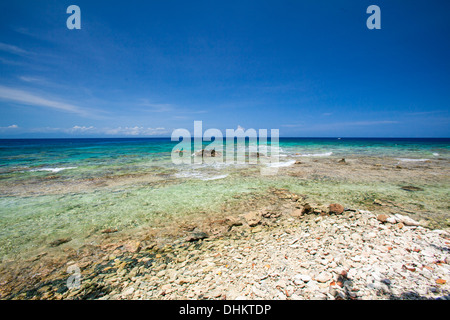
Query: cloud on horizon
x=135 y=131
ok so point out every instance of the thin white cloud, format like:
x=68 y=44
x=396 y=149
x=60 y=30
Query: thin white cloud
x=147 y=106
x=12 y=49
x=324 y=126
x=134 y=131
x=9 y=62
x=155 y=107
x=31 y=79
x=24 y=97
x=368 y=123
x=423 y=113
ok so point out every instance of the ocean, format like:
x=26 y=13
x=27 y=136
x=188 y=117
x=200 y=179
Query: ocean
x=56 y=188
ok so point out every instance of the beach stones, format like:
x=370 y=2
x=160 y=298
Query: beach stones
x=407 y=221
x=314 y=257
x=133 y=246
x=307 y=208
x=324 y=277
x=297 y=213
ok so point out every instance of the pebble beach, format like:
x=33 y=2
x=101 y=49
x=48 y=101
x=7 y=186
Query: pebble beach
x=325 y=227
x=290 y=250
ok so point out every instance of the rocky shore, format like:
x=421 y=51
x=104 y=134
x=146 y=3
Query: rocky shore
x=284 y=246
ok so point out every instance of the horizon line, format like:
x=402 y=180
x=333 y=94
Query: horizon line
x=166 y=137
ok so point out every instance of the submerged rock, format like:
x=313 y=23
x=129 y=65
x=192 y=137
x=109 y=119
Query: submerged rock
x=208 y=153
x=195 y=236
x=59 y=242
x=233 y=221
x=252 y=218
x=411 y=188
x=109 y=230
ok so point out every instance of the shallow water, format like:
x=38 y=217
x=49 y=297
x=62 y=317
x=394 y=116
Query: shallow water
x=49 y=188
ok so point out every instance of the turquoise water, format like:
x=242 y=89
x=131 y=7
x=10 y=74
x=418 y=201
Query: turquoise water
x=92 y=157
x=39 y=201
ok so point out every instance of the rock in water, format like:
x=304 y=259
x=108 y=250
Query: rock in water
x=233 y=221
x=336 y=208
x=59 y=242
x=109 y=230
x=411 y=188
x=195 y=236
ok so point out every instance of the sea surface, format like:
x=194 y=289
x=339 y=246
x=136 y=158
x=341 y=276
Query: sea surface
x=30 y=220
x=28 y=157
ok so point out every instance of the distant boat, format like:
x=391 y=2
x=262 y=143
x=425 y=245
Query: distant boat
x=339 y=138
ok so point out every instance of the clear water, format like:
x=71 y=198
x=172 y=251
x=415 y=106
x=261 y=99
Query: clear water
x=29 y=221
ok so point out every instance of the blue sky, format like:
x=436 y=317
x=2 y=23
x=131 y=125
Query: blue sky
x=145 y=68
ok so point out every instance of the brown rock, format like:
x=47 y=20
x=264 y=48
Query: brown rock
x=195 y=236
x=109 y=230
x=133 y=246
x=382 y=218
x=233 y=221
x=307 y=208
x=441 y=281
x=252 y=218
x=336 y=208
x=271 y=214
x=341 y=161
x=400 y=225
x=297 y=213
